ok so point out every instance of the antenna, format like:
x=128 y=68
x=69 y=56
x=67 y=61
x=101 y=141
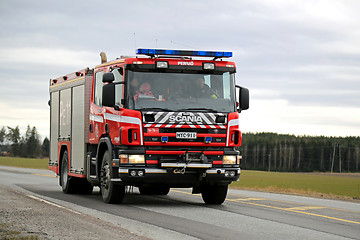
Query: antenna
x=135 y=41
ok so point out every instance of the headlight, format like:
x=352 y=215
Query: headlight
x=229 y=159
x=136 y=159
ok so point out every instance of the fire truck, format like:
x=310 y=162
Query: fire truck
x=162 y=119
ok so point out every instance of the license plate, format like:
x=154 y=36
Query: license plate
x=186 y=135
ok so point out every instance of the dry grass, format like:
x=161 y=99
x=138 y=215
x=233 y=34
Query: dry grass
x=25 y=162
x=334 y=186
x=7 y=234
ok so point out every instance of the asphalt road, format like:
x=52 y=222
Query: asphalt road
x=182 y=215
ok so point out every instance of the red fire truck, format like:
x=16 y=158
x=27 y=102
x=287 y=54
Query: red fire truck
x=163 y=119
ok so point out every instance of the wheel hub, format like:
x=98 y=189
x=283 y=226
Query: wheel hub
x=105 y=176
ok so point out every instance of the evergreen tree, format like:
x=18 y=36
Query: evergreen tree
x=45 y=147
x=2 y=135
x=27 y=148
x=14 y=137
x=32 y=143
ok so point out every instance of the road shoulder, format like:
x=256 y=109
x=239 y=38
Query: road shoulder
x=24 y=217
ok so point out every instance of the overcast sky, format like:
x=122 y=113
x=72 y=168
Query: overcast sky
x=300 y=59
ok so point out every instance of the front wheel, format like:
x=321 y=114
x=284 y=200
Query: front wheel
x=214 y=194
x=111 y=192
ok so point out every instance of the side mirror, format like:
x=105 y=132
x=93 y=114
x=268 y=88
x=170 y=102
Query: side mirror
x=108 y=94
x=243 y=98
x=108 y=77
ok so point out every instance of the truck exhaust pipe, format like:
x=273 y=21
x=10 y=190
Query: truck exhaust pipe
x=103 y=57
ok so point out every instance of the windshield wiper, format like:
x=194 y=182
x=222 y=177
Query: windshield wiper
x=156 y=109
x=198 y=109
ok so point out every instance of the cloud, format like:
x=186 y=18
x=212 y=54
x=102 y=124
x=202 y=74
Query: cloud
x=45 y=56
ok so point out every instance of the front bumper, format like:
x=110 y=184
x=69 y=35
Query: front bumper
x=176 y=167
x=175 y=175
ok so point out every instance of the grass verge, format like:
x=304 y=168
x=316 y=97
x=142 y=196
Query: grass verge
x=335 y=186
x=24 y=162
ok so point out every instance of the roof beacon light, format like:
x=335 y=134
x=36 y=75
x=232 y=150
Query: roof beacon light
x=153 y=52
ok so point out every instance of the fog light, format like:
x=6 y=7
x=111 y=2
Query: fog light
x=133 y=173
x=140 y=173
x=227 y=174
x=232 y=174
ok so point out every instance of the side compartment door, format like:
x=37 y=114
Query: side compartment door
x=65 y=114
x=77 y=129
x=54 y=129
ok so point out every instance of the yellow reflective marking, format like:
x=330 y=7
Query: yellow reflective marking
x=249 y=199
x=304 y=208
x=44 y=175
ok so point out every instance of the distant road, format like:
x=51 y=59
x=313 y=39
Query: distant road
x=182 y=215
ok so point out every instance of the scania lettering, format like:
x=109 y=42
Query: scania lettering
x=162 y=119
x=185 y=118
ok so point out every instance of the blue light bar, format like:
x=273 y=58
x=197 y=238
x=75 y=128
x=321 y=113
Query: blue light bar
x=153 y=52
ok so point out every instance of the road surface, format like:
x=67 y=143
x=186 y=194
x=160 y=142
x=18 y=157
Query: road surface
x=182 y=215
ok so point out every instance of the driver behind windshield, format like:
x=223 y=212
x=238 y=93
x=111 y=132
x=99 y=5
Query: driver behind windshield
x=144 y=91
x=202 y=90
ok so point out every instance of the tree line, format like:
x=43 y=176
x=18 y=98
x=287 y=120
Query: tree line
x=281 y=152
x=28 y=145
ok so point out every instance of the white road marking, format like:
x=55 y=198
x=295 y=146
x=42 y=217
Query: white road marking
x=52 y=204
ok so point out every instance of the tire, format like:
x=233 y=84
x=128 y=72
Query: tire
x=215 y=194
x=110 y=192
x=67 y=183
x=154 y=190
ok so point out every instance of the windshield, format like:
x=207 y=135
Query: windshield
x=181 y=91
